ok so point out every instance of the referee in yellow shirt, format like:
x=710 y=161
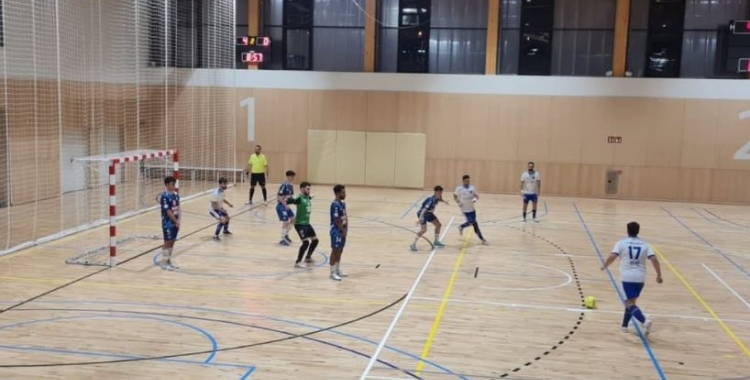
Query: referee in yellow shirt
x=258 y=170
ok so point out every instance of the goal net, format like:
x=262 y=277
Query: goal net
x=118 y=188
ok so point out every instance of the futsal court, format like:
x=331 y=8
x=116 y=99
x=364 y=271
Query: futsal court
x=238 y=309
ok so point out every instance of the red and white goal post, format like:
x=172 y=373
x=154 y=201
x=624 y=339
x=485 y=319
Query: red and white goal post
x=132 y=181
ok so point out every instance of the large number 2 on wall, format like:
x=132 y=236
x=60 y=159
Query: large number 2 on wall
x=744 y=152
x=637 y=251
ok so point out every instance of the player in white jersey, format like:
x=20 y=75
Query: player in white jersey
x=465 y=196
x=633 y=253
x=217 y=210
x=531 y=183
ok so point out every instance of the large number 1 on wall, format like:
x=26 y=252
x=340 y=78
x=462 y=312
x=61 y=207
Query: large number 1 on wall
x=250 y=104
x=744 y=152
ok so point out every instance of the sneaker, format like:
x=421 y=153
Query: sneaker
x=227 y=232
x=287 y=238
x=484 y=242
x=335 y=276
x=216 y=238
x=300 y=265
x=341 y=274
x=249 y=202
x=284 y=242
x=309 y=260
x=438 y=243
x=413 y=247
x=461 y=230
x=624 y=329
x=647 y=326
x=536 y=220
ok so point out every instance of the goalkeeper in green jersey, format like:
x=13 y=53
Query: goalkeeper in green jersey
x=302 y=225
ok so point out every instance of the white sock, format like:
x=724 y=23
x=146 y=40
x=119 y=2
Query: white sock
x=164 y=255
x=283 y=232
x=333 y=269
x=416 y=239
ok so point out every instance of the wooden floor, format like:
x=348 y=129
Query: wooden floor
x=238 y=309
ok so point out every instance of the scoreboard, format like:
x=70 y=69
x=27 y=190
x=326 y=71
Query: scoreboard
x=253 y=50
x=738 y=46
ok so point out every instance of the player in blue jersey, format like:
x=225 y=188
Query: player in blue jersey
x=170 y=221
x=633 y=253
x=339 y=228
x=426 y=214
x=285 y=213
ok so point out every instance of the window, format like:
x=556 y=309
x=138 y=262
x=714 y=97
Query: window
x=535 y=55
x=414 y=36
x=298 y=34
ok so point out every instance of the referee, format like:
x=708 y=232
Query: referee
x=258 y=170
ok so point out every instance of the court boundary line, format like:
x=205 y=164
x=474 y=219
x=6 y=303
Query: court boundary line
x=404 y=303
x=612 y=281
x=721 y=280
x=706 y=242
x=703 y=303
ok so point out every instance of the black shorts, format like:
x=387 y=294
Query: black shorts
x=258 y=179
x=305 y=231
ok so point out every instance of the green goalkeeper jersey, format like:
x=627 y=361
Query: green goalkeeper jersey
x=304 y=208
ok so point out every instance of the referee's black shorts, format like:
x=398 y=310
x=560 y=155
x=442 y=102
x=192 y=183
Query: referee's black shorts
x=258 y=179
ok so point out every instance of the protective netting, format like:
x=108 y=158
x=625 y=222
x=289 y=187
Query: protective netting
x=93 y=77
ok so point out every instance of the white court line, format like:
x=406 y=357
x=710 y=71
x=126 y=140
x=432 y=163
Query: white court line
x=389 y=378
x=409 y=295
x=576 y=310
x=739 y=297
x=566 y=283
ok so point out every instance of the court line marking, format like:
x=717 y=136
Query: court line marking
x=566 y=283
x=412 y=206
x=726 y=220
x=443 y=303
x=574 y=310
x=703 y=303
x=645 y=342
x=401 y=309
x=739 y=297
x=708 y=243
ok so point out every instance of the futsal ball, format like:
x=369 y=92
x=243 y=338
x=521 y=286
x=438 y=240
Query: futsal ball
x=473 y=200
x=590 y=302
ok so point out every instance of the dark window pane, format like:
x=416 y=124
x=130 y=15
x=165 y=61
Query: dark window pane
x=667 y=15
x=663 y=55
x=297 y=43
x=298 y=13
x=535 y=55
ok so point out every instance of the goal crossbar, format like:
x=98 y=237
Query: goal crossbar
x=113 y=160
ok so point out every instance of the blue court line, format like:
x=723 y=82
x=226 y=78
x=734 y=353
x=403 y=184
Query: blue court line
x=248 y=373
x=242 y=314
x=412 y=206
x=726 y=220
x=708 y=243
x=646 y=345
x=214 y=345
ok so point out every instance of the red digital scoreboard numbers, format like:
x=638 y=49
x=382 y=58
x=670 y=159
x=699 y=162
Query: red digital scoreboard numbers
x=253 y=41
x=252 y=57
x=740 y=27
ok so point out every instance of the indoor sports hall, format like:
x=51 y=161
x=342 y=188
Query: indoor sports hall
x=119 y=118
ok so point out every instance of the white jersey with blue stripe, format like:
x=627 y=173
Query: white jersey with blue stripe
x=634 y=254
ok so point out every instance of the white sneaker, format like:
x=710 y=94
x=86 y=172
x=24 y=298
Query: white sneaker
x=647 y=326
x=248 y=202
x=341 y=274
x=335 y=276
x=624 y=329
x=300 y=265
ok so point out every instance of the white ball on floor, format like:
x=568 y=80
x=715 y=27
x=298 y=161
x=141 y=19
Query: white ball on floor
x=474 y=200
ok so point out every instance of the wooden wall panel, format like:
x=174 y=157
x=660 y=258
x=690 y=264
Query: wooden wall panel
x=321 y=156
x=669 y=142
x=380 y=161
x=410 y=160
x=351 y=156
x=699 y=135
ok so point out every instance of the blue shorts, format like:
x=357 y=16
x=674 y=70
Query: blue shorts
x=530 y=198
x=284 y=214
x=471 y=217
x=428 y=217
x=170 y=233
x=632 y=289
x=218 y=214
x=338 y=240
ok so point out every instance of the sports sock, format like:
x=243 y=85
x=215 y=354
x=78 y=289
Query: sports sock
x=626 y=318
x=226 y=227
x=533 y=213
x=218 y=228
x=636 y=312
x=283 y=232
x=265 y=194
x=252 y=192
x=302 y=250
x=477 y=231
x=524 y=215
x=310 y=250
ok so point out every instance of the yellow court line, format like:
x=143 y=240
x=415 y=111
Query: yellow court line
x=443 y=303
x=695 y=294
